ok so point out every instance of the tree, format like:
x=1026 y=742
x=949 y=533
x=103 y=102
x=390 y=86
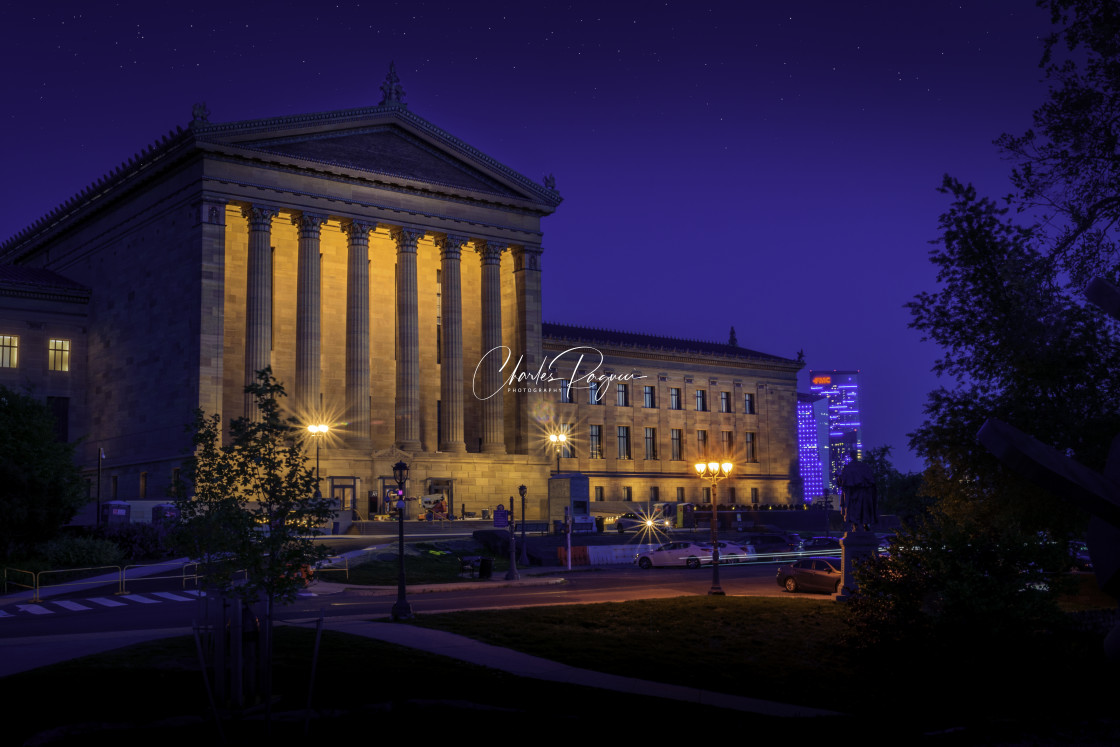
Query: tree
x=1017 y=347
x=1069 y=162
x=40 y=487
x=898 y=494
x=254 y=504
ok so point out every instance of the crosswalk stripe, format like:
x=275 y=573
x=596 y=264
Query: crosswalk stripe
x=172 y=597
x=34 y=609
x=72 y=606
x=195 y=592
x=140 y=599
x=106 y=602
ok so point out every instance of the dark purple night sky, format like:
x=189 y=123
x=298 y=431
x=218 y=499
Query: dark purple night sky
x=770 y=166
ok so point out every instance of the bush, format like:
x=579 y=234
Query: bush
x=139 y=542
x=81 y=552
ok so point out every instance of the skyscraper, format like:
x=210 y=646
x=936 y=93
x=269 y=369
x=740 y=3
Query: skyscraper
x=845 y=431
x=811 y=436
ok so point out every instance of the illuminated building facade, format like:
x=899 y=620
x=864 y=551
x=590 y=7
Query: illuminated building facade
x=845 y=430
x=379 y=266
x=812 y=444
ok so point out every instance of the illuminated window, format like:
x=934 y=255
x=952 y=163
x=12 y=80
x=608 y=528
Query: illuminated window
x=651 y=443
x=595 y=442
x=674 y=398
x=749 y=442
x=725 y=401
x=58 y=354
x=623 y=442
x=9 y=351
x=650 y=396
x=701 y=400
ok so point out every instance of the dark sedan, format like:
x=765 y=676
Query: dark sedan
x=811 y=574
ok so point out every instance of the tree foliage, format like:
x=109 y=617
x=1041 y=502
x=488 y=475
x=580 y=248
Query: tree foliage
x=1069 y=162
x=40 y=487
x=252 y=505
x=1017 y=347
x=898 y=494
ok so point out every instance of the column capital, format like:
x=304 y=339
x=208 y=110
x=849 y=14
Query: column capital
x=308 y=223
x=526 y=258
x=406 y=237
x=357 y=228
x=490 y=252
x=260 y=216
x=450 y=245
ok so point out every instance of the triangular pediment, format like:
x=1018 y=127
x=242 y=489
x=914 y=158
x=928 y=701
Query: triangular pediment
x=388 y=141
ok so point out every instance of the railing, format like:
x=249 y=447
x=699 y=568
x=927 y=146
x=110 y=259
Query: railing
x=39 y=585
x=7 y=580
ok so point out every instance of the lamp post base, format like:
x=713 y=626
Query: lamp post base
x=716 y=591
x=402 y=611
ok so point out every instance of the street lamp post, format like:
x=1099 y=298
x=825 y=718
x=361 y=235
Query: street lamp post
x=524 y=555
x=713 y=472
x=318 y=431
x=558 y=440
x=402 y=610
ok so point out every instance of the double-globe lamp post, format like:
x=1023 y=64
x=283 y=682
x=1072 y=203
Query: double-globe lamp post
x=402 y=610
x=713 y=472
x=559 y=440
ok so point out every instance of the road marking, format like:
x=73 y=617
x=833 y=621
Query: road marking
x=140 y=599
x=106 y=602
x=34 y=609
x=72 y=606
x=169 y=595
x=195 y=592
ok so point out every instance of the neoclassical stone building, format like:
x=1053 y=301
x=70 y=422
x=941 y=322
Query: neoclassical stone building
x=372 y=260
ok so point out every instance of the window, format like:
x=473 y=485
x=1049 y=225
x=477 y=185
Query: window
x=143 y=485
x=60 y=408
x=58 y=352
x=749 y=443
x=593 y=395
x=748 y=404
x=680 y=495
x=566 y=393
x=674 y=398
x=675 y=440
x=731 y=495
x=702 y=444
x=649 y=396
x=626 y=494
x=706 y=495
x=598 y=492
x=623 y=442
x=595 y=442
x=654 y=494
x=651 y=443
x=725 y=401
x=568 y=448
x=9 y=351
x=754 y=496
x=623 y=395
x=727 y=439
x=701 y=400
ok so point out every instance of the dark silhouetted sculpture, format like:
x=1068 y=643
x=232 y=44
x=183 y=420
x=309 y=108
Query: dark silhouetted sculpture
x=860 y=500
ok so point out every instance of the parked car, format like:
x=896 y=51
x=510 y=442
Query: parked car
x=1079 y=555
x=819 y=544
x=772 y=544
x=811 y=574
x=632 y=520
x=732 y=552
x=688 y=554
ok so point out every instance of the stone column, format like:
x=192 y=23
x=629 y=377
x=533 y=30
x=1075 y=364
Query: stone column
x=357 y=331
x=527 y=286
x=258 y=299
x=211 y=233
x=451 y=346
x=493 y=412
x=408 y=341
x=309 y=362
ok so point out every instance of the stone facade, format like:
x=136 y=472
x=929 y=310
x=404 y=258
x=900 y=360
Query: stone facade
x=372 y=260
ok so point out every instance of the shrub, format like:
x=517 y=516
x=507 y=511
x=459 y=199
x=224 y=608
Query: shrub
x=139 y=542
x=81 y=552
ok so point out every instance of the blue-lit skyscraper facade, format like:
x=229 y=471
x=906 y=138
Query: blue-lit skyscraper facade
x=845 y=431
x=810 y=409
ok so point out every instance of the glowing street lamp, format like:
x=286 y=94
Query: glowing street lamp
x=559 y=440
x=713 y=472
x=318 y=431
